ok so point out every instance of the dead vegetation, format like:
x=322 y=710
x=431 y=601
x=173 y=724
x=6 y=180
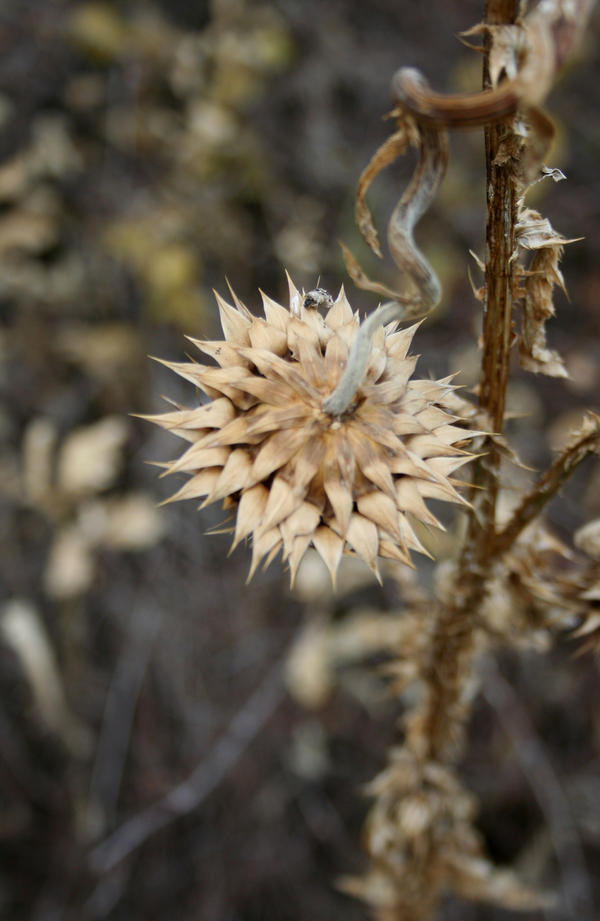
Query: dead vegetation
x=153 y=762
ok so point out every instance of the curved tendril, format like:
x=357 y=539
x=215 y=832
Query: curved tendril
x=547 y=36
x=429 y=172
x=459 y=110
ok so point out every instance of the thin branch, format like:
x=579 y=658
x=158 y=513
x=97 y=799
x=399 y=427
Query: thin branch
x=546 y=786
x=553 y=479
x=189 y=794
x=119 y=709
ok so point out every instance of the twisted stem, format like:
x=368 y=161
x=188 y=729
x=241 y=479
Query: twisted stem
x=423 y=187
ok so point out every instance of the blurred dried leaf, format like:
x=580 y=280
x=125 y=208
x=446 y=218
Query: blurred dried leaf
x=559 y=432
x=584 y=371
x=166 y=265
x=102 y=350
x=325 y=646
x=476 y=878
x=29 y=231
x=14 y=177
x=24 y=631
x=309 y=672
x=90 y=457
x=507 y=47
x=51 y=154
x=70 y=568
x=132 y=522
x=584 y=439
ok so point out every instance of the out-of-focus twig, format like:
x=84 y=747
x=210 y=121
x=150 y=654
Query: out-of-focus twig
x=536 y=766
x=189 y=794
x=119 y=710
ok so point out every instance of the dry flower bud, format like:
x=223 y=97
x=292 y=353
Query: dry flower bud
x=296 y=474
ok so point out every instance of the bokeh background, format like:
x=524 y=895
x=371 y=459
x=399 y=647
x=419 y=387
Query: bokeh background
x=149 y=151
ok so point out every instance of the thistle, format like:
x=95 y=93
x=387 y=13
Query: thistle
x=298 y=473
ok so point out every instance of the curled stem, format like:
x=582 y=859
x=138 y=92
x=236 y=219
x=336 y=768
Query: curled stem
x=544 y=40
x=429 y=172
x=343 y=395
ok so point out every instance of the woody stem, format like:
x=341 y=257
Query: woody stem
x=452 y=646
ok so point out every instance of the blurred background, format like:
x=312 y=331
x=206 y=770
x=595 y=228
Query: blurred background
x=149 y=151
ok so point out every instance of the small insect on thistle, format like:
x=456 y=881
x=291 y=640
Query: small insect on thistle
x=318 y=297
x=296 y=474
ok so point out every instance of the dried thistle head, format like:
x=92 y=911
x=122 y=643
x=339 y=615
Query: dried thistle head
x=421 y=836
x=296 y=475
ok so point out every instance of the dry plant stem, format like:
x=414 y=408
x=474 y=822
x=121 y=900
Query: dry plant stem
x=453 y=636
x=449 y=666
x=553 y=29
x=500 y=239
x=546 y=488
x=452 y=645
x=417 y=854
x=345 y=392
x=438 y=735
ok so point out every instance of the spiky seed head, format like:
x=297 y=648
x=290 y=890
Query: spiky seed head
x=296 y=476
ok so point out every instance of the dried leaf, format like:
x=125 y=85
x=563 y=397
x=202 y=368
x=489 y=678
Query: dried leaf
x=309 y=669
x=132 y=522
x=392 y=148
x=23 y=629
x=362 y=280
x=91 y=457
x=535 y=233
x=70 y=568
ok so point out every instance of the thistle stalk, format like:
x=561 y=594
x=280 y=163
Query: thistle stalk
x=419 y=833
x=449 y=667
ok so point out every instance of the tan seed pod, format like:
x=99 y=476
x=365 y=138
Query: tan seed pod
x=297 y=475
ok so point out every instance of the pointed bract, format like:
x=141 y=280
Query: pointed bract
x=234 y=324
x=330 y=547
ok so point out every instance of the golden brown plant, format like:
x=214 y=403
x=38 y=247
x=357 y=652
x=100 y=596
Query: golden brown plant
x=297 y=474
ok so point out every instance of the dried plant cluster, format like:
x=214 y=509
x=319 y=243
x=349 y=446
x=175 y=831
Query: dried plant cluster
x=316 y=434
x=297 y=475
